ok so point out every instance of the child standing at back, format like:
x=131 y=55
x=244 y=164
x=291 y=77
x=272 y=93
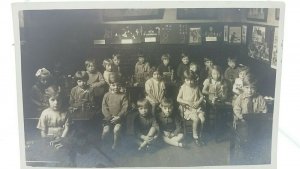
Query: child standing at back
x=145 y=125
x=155 y=89
x=182 y=67
x=195 y=68
x=208 y=66
x=114 y=109
x=231 y=73
x=190 y=99
x=116 y=63
x=166 y=69
x=108 y=66
x=38 y=91
x=141 y=70
x=170 y=124
x=95 y=80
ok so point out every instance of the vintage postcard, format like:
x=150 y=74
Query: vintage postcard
x=130 y=84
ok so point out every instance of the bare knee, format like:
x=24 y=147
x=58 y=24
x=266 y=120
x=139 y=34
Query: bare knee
x=117 y=128
x=106 y=129
x=201 y=117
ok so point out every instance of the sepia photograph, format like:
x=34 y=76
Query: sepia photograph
x=148 y=86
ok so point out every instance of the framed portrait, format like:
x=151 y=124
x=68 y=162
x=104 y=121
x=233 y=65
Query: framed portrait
x=259 y=46
x=235 y=35
x=102 y=85
x=257 y=14
x=195 y=36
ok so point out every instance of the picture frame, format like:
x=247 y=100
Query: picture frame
x=195 y=35
x=68 y=45
x=257 y=14
x=259 y=46
x=226 y=33
x=235 y=34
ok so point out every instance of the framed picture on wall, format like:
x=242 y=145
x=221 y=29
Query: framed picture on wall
x=259 y=46
x=211 y=34
x=195 y=36
x=244 y=34
x=275 y=49
x=151 y=33
x=225 y=33
x=257 y=14
x=235 y=35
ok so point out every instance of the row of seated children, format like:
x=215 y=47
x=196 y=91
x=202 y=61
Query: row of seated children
x=98 y=82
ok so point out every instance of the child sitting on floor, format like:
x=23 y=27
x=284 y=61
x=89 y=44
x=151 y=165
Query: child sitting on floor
x=170 y=124
x=145 y=126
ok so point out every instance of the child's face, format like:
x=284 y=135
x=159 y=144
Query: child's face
x=91 y=68
x=231 y=63
x=143 y=111
x=141 y=59
x=249 y=90
x=116 y=61
x=54 y=103
x=185 y=60
x=208 y=63
x=44 y=80
x=166 y=61
x=156 y=75
x=108 y=68
x=242 y=74
x=115 y=87
x=167 y=110
x=81 y=83
x=193 y=68
x=189 y=82
x=215 y=75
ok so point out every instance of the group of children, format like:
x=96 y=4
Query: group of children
x=201 y=93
